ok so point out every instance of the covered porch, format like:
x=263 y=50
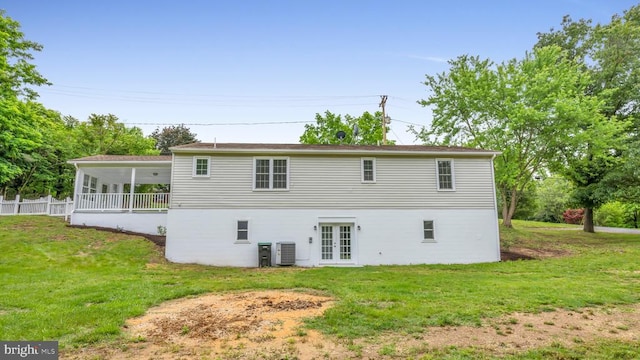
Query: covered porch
x=122 y=192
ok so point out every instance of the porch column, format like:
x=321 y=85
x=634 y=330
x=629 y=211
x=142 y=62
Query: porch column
x=132 y=188
x=77 y=188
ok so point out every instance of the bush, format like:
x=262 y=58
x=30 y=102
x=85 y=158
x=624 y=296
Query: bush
x=618 y=214
x=573 y=216
x=611 y=214
x=552 y=198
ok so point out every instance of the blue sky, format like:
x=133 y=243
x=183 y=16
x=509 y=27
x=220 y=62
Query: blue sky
x=221 y=67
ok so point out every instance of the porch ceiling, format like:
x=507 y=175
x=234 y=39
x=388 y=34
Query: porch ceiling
x=144 y=175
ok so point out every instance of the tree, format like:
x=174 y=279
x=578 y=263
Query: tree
x=610 y=53
x=172 y=136
x=526 y=109
x=367 y=126
x=16 y=73
x=553 y=195
x=40 y=167
x=20 y=134
x=103 y=134
x=22 y=123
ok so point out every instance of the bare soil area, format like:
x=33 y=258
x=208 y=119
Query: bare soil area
x=268 y=325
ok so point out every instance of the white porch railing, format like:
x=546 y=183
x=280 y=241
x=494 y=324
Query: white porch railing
x=42 y=206
x=122 y=201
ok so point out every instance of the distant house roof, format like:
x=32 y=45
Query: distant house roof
x=330 y=149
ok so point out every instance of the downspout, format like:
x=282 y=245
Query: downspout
x=495 y=205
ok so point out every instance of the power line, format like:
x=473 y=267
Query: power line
x=271 y=97
x=407 y=122
x=396 y=135
x=220 y=124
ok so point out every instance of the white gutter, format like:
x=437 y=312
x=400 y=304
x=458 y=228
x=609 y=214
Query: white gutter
x=333 y=152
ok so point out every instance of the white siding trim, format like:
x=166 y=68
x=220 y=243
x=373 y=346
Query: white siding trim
x=362 y=160
x=453 y=175
x=195 y=161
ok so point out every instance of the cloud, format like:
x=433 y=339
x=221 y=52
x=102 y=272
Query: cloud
x=428 y=58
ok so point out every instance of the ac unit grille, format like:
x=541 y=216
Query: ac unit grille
x=285 y=253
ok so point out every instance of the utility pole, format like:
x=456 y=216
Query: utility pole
x=383 y=101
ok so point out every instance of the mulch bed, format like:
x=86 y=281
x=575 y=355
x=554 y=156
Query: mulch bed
x=506 y=255
x=156 y=239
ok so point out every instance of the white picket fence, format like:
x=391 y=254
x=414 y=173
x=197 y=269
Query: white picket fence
x=43 y=206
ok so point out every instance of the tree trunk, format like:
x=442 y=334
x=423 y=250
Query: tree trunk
x=505 y=209
x=588 y=220
x=509 y=209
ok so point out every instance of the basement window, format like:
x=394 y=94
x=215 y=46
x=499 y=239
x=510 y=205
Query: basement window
x=429 y=231
x=242 y=231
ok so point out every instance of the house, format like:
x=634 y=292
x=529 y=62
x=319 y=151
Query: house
x=341 y=205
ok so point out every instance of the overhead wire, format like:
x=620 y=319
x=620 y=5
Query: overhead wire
x=221 y=124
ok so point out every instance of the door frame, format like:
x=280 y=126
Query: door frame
x=337 y=221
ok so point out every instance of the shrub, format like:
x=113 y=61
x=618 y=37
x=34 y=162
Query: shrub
x=573 y=216
x=610 y=214
x=552 y=198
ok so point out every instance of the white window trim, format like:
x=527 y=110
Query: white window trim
x=270 y=158
x=239 y=241
x=453 y=175
x=89 y=189
x=373 y=160
x=433 y=224
x=195 y=161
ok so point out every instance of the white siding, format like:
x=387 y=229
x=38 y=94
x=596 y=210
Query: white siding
x=146 y=223
x=334 y=182
x=385 y=237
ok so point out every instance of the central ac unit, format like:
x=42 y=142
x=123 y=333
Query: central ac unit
x=285 y=253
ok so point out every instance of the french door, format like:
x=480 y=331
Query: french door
x=336 y=244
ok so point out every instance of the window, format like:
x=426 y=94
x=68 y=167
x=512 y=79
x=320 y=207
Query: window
x=368 y=170
x=271 y=174
x=201 y=166
x=429 y=233
x=89 y=184
x=243 y=230
x=445 y=176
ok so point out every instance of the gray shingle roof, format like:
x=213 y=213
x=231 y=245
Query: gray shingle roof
x=319 y=148
x=124 y=158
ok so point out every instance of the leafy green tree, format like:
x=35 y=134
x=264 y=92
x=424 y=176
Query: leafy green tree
x=16 y=71
x=23 y=123
x=610 y=53
x=367 y=126
x=104 y=134
x=41 y=167
x=172 y=136
x=552 y=199
x=20 y=135
x=527 y=109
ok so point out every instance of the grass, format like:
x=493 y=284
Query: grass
x=79 y=286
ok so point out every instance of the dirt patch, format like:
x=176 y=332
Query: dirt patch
x=521 y=253
x=267 y=325
x=156 y=239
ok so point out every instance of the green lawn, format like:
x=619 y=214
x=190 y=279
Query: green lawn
x=79 y=286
